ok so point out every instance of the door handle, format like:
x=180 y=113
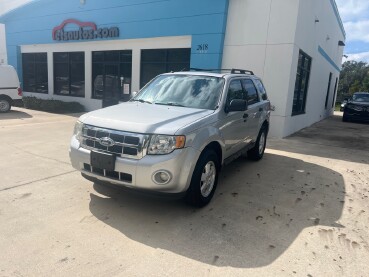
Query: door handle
x=245 y=115
x=261 y=109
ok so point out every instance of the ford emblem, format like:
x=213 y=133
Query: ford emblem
x=107 y=142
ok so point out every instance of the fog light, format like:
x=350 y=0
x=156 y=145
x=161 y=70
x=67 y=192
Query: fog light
x=162 y=177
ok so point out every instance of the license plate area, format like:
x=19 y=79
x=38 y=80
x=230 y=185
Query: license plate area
x=102 y=160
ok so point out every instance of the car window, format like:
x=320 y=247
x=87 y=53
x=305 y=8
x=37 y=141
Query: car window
x=261 y=89
x=251 y=92
x=235 y=91
x=191 y=91
x=360 y=97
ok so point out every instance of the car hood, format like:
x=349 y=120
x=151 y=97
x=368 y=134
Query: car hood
x=144 y=118
x=359 y=103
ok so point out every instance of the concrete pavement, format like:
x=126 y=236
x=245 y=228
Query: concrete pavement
x=301 y=211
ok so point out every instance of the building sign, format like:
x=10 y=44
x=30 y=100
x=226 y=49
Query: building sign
x=86 y=31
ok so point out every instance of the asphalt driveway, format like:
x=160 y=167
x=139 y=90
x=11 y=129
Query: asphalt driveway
x=301 y=211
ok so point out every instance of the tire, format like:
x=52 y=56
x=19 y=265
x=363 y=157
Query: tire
x=201 y=191
x=344 y=118
x=257 y=152
x=5 y=105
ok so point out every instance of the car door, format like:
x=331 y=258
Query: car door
x=234 y=124
x=254 y=109
x=265 y=103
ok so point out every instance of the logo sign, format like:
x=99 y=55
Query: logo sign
x=86 y=31
x=107 y=142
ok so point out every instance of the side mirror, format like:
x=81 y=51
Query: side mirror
x=237 y=105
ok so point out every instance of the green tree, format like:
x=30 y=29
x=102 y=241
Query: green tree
x=355 y=87
x=365 y=86
x=354 y=77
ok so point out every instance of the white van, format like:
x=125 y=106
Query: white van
x=9 y=87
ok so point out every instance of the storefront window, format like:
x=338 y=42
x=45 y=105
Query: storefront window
x=301 y=84
x=35 y=77
x=111 y=75
x=69 y=73
x=158 y=61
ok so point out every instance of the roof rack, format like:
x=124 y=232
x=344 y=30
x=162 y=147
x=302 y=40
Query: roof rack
x=232 y=71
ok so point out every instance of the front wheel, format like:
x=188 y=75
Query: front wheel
x=256 y=153
x=204 y=179
x=344 y=118
x=4 y=105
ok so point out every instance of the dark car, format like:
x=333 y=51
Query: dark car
x=357 y=108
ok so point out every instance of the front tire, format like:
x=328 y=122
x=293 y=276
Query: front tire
x=204 y=179
x=5 y=105
x=344 y=118
x=257 y=152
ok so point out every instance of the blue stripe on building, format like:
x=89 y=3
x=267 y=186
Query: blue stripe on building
x=326 y=56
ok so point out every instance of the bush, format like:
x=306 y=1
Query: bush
x=51 y=105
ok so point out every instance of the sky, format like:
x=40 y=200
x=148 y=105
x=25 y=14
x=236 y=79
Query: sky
x=354 y=14
x=355 y=17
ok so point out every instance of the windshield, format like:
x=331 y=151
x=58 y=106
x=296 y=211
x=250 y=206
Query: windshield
x=200 y=92
x=360 y=97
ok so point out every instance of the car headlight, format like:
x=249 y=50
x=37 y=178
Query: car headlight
x=78 y=130
x=162 y=144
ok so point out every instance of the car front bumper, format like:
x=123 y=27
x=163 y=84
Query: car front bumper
x=356 y=115
x=180 y=165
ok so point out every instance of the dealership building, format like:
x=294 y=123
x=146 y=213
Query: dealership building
x=99 y=52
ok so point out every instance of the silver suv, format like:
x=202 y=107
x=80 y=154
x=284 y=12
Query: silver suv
x=174 y=136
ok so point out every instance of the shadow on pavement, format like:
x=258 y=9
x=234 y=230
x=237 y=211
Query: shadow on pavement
x=256 y=214
x=14 y=114
x=348 y=141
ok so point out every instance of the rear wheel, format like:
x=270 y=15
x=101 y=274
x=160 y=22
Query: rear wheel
x=204 y=179
x=256 y=153
x=4 y=105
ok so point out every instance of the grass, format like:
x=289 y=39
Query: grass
x=337 y=107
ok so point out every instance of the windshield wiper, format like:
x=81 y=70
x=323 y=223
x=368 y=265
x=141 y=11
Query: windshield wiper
x=141 y=101
x=169 y=104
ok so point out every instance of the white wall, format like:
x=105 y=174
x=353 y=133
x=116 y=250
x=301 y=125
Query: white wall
x=134 y=44
x=309 y=36
x=260 y=37
x=3 y=53
x=265 y=36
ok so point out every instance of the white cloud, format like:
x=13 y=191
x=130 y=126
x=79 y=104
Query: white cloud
x=355 y=15
x=359 y=57
x=351 y=10
x=357 y=31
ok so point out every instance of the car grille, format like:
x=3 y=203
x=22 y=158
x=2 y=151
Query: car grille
x=124 y=144
x=125 y=177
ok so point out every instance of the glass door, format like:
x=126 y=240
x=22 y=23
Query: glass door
x=111 y=85
x=111 y=76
